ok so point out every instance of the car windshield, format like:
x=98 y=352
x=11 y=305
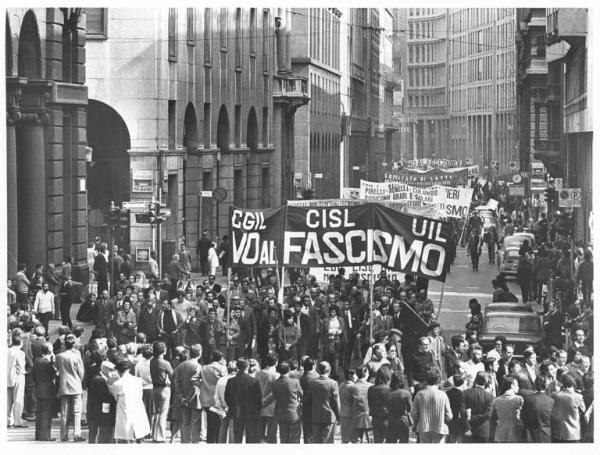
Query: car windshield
x=511 y=324
x=513 y=254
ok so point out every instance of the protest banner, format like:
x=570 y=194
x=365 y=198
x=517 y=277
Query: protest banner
x=350 y=193
x=454 y=202
x=428 y=178
x=351 y=235
x=365 y=272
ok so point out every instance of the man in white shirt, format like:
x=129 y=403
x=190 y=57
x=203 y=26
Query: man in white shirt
x=474 y=365
x=530 y=365
x=154 y=273
x=16 y=380
x=44 y=305
x=226 y=430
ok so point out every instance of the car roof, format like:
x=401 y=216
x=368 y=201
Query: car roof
x=513 y=314
x=510 y=306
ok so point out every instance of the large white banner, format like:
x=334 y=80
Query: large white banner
x=436 y=201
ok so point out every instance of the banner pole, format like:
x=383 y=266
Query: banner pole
x=371 y=306
x=441 y=299
x=228 y=303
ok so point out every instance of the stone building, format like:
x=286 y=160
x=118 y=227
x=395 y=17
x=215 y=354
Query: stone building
x=46 y=138
x=184 y=101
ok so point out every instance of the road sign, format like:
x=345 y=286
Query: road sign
x=518 y=191
x=516 y=178
x=513 y=166
x=166 y=213
x=569 y=197
x=206 y=193
x=558 y=184
x=136 y=206
x=219 y=193
x=143 y=218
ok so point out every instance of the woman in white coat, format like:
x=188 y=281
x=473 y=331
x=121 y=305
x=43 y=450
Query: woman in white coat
x=131 y=420
x=213 y=259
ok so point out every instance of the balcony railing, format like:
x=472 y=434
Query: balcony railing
x=291 y=89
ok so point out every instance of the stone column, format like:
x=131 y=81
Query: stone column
x=31 y=200
x=12 y=228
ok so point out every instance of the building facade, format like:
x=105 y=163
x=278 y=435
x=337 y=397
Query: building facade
x=316 y=56
x=184 y=101
x=482 y=64
x=568 y=151
x=46 y=138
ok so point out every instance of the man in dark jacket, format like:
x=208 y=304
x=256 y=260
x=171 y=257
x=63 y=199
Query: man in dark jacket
x=536 y=412
x=148 y=321
x=44 y=375
x=478 y=405
x=418 y=364
x=243 y=397
x=287 y=393
x=101 y=405
x=101 y=270
x=309 y=375
x=203 y=246
x=323 y=402
x=458 y=425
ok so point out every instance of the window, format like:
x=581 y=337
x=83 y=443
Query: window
x=265 y=127
x=266 y=187
x=206 y=132
x=96 y=23
x=223 y=28
x=238 y=38
x=252 y=31
x=172 y=34
x=265 y=41
x=238 y=188
x=172 y=124
x=238 y=126
x=191 y=31
x=207 y=34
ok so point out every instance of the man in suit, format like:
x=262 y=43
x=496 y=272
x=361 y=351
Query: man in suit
x=565 y=421
x=323 y=402
x=536 y=412
x=169 y=321
x=531 y=367
x=382 y=324
x=211 y=374
x=478 y=405
x=244 y=402
x=267 y=425
x=458 y=425
x=308 y=317
x=346 y=419
x=101 y=405
x=186 y=382
x=308 y=375
x=503 y=368
x=70 y=374
x=352 y=322
x=287 y=393
x=453 y=356
x=43 y=375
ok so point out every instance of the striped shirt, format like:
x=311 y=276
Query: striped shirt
x=430 y=411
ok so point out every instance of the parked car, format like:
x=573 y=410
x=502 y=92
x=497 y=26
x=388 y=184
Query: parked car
x=507 y=306
x=509 y=252
x=521 y=328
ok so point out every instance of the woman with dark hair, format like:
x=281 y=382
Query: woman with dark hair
x=399 y=406
x=291 y=336
x=87 y=310
x=378 y=397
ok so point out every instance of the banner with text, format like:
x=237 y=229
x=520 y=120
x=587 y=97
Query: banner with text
x=429 y=178
x=352 y=235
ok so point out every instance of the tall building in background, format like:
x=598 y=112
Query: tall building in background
x=402 y=140
x=481 y=82
x=427 y=89
x=46 y=101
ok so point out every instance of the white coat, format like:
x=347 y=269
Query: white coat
x=131 y=419
x=213 y=261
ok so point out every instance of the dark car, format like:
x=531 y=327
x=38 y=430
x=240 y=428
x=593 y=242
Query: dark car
x=507 y=306
x=521 y=328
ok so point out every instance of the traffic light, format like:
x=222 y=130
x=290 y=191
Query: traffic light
x=308 y=193
x=546 y=195
x=123 y=218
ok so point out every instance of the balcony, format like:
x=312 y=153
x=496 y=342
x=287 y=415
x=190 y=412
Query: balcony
x=569 y=24
x=290 y=89
x=393 y=80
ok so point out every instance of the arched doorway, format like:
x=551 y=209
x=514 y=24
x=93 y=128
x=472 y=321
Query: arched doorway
x=190 y=128
x=108 y=173
x=190 y=142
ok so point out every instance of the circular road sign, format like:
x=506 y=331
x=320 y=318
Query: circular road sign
x=219 y=194
x=516 y=178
